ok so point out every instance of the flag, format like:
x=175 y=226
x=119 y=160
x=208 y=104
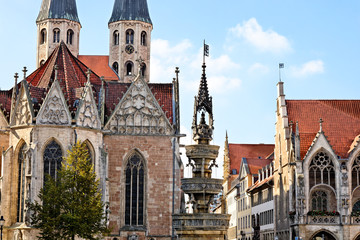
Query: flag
x=206 y=50
x=281 y=65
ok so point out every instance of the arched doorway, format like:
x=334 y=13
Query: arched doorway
x=323 y=236
x=358 y=237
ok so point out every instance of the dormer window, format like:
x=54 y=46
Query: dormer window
x=129 y=36
x=56 y=35
x=116 y=37
x=143 y=38
x=43 y=36
x=70 y=36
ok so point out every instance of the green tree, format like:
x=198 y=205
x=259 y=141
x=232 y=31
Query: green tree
x=70 y=205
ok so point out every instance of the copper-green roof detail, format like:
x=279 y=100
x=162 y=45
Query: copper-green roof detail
x=130 y=10
x=58 y=9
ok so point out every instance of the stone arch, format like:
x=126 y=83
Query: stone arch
x=327 y=235
x=129 y=36
x=357 y=237
x=43 y=34
x=91 y=149
x=116 y=37
x=70 y=36
x=20 y=166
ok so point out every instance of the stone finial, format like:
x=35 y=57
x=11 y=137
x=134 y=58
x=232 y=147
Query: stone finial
x=16 y=76
x=321 y=126
x=88 y=73
x=25 y=71
x=56 y=71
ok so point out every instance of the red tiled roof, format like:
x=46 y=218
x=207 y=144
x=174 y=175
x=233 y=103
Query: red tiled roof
x=99 y=65
x=255 y=164
x=341 y=122
x=5 y=102
x=239 y=151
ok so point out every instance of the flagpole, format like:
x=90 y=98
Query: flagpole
x=204 y=53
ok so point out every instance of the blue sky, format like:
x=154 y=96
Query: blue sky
x=317 y=40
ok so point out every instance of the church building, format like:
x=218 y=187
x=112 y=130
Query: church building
x=130 y=125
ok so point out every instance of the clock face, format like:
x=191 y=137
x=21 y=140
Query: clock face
x=129 y=49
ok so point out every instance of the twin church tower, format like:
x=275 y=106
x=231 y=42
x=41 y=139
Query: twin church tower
x=130 y=29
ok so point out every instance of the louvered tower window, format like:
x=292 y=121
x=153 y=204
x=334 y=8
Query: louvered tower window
x=52 y=159
x=69 y=37
x=134 y=191
x=129 y=36
x=56 y=33
x=21 y=185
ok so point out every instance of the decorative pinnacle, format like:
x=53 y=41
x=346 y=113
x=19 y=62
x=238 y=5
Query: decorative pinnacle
x=56 y=71
x=16 y=76
x=88 y=73
x=321 y=122
x=24 y=71
x=204 y=101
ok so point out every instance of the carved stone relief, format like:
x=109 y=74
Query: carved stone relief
x=23 y=113
x=138 y=113
x=88 y=114
x=54 y=110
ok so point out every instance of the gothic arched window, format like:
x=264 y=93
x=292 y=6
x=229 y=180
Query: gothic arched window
x=43 y=36
x=115 y=66
x=143 y=69
x=355 y=173
x=52 y=159
x=134 y=191
x=143 y=38
x=129 y=36
x=356 y=207
x=21 y=185
x=129 y=67
x=116 y=37
x=319 y=201
x=69 y=37
x=321 y=170
x=56 y=35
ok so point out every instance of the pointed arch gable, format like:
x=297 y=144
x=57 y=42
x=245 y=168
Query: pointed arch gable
x=136 y=109
x=23 y=112
x=87 y=114
x=54 y=110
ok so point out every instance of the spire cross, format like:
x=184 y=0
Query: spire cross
x=25 y=71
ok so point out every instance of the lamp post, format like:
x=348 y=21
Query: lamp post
x=2 y=221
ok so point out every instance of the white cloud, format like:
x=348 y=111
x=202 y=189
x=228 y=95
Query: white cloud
x=222 y=72
x=258 y=68
x=309 y=68
x=267 y=41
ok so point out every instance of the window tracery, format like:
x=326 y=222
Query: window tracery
x=134 y=191
x=321 y=170
x=21 y=185
x=355 y=173
x=52 y=159
x=319 y=201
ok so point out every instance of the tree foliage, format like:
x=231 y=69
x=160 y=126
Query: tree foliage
x=70 y=205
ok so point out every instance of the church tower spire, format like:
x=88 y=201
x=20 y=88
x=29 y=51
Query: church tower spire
x=130 y=33
x=57 y=21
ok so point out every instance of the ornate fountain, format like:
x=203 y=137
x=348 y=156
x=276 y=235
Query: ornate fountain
x=201 y=188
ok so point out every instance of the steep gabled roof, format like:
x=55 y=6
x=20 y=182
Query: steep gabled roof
x=58 y=9
x=100 y=65
x=255 y=164
x=251 y=151
x=130 y=10
x=72 y=74
x=341 y=122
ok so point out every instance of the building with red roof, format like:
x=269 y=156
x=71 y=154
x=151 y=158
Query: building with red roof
x=129 y=124
x=317 y=168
